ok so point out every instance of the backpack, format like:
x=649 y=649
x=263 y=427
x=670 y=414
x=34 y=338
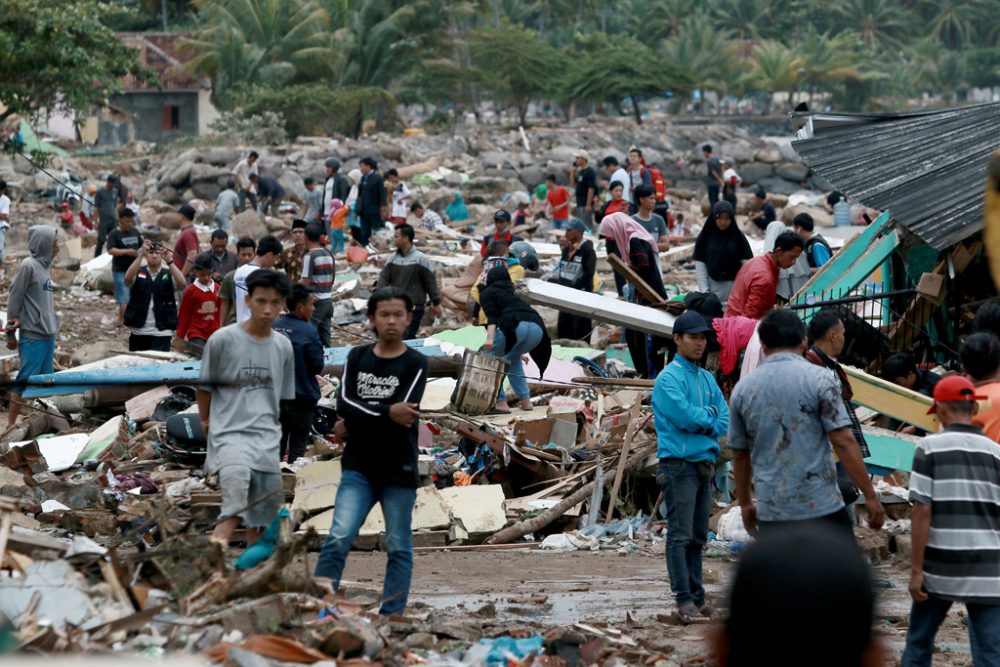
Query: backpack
x=659 y=184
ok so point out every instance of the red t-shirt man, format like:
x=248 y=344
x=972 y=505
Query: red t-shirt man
x=558 y=199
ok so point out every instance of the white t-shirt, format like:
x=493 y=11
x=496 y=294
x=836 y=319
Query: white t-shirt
x=400 y=200
x=621 y=176
x=242 y=172
x=728 y=175
x=240 y=291
x=4 y=205
x=149 y=328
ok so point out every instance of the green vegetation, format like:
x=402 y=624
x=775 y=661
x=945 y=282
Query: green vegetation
x=853 y=55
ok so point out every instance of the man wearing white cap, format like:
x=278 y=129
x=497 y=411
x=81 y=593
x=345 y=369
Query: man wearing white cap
x=586 y=187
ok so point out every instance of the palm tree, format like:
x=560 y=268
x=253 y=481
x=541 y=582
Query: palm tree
x=746 y=19
x=651 y=21
x=877 y=22
x=260 y=42
x=706 y=56
x=954 y=22
x=829 y=60
x=776 y=68
x=373 y=39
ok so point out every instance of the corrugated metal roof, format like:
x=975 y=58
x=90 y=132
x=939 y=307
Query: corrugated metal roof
x=927 y=168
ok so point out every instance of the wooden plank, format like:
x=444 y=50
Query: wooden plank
x=598 y=307
x=641 y=286
x=830 y=273
x=634 y=424
x=891 y=399
x=923 y=306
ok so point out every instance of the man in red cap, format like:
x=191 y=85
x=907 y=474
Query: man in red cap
x=955 y=491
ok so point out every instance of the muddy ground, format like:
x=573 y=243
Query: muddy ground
x=535 y=588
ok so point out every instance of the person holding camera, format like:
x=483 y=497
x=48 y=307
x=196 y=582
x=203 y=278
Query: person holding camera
x=151 y=314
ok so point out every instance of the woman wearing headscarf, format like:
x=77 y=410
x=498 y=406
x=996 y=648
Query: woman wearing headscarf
x=720 y=251
x=636 y=247
x=513 y=329
x=457 y=210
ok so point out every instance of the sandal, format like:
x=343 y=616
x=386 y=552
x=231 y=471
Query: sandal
x=500 y=408
x=689 y=615
x=708 y=611
x=526 y=404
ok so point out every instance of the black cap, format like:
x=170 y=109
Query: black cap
x=690 y=322
x=502 y=214
x=187 y=211
x=112 y=178
x=299 y=223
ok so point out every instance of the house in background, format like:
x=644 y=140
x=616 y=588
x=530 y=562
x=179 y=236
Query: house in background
x=175 y=104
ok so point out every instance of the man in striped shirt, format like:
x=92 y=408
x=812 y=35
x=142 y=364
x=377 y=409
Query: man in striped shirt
x=317 y=274
x=955 y=490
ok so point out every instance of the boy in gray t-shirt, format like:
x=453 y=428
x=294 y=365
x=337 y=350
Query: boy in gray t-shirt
x=313 y=201
x=246 y=371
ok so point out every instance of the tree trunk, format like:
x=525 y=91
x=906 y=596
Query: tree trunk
x=163 y=8
x=636 y=110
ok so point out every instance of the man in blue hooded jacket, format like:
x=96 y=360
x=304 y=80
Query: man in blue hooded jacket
x=690 y=414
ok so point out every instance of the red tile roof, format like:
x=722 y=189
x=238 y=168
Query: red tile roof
x=161 y=52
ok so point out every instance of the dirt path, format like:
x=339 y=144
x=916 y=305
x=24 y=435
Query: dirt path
x=537 y=588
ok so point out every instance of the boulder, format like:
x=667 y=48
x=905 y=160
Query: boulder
x=248 y=223
x=168 y=220
x=276 y=224
x=294 y=186
x=769 y=154
x=181 y=174
x=220 y=156
x=206 y=173
x=778 y=185
x=207 y=190
x=495 y=160
x=562 y=154
x=796 y=173
x=169 y=195
x=740 y=151
x=753 y=172
x=819 y=215
x=531 y=176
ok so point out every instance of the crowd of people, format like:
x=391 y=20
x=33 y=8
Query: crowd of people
x=742 y=386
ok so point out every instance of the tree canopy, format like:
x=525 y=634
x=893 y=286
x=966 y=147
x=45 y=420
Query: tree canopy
x=58 y=56
x=455 y=54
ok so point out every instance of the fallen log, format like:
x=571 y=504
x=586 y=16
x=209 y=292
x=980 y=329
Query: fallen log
x=522 y=528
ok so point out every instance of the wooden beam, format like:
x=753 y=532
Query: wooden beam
x=598 y=307
x=641 y=286
x=891 y=399
x=634 y=424
x=922 y=307
x=830 y=273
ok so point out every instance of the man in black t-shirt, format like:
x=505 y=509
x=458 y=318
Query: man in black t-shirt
x=379 y=407
x=586 y=187
x=124 y=243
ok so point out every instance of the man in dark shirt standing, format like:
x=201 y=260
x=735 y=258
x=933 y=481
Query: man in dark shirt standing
x=586 y=187
x=576 y=269
x=379 y=403
x=106 y=203
x=713 y=176
x=124 y=244
x=297 y=413
x=371 y=206
x=269 y=193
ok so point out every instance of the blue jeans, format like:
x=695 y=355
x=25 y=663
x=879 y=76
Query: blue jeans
x=529 y=335
x=336 y=241
x=36 y=357
x=122 y=291
x=356 y=497
x=221 y=222
x=687 y=493
x=925 y=619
